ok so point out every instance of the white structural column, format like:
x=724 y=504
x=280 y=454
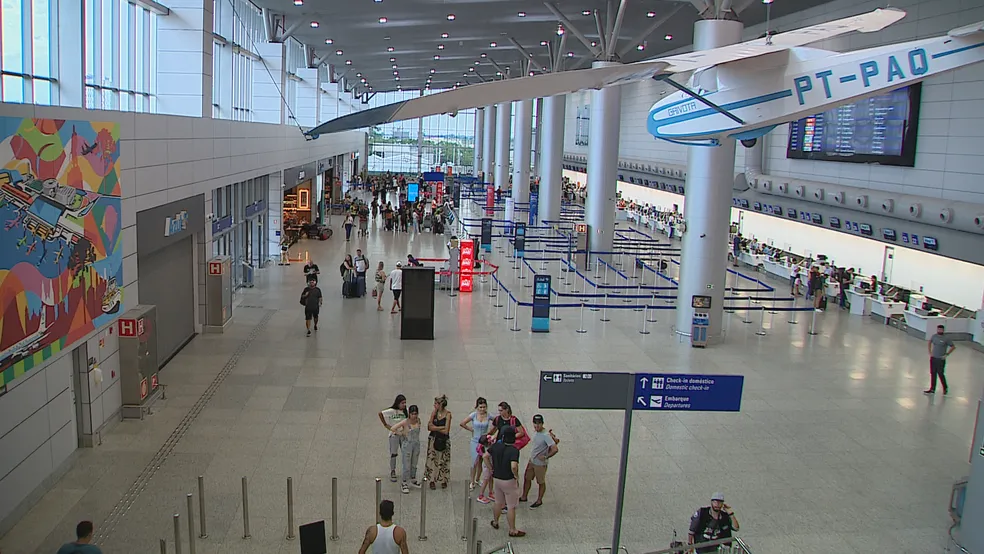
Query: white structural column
x=488 y=156
x=552 y=156
x=184 y=59
x=710 y=179
x=971 y=530
x=522 y=151
x=479 y=141
x=537 y=137
x=503 y=120
x=307 y=109
x=268 y=105
x=599 y=209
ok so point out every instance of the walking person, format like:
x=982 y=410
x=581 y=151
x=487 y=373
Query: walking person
x=544 y=448
x=438 y=468
x=385 y=537
x=477 y=423
x=380 y=286
x=311 y=299
x=361 y=267
x=311 y=271
x=396 y=285
x=505 y=474
x=409 y=432
x=712 y=523
x=82 y=543
x=940 y=346
x=390 y=417
x=349 y=221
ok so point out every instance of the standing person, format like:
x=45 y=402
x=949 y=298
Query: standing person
x=409 y=431
x=396 y=285
x=478 y=424
x=385 y=537
x=940 y=346
x=380 y=286
x=736 y=247
x=505 y=475
x=82 y=543
x=347 y=270
x=311 y=299
x=311 y=271
x=507 y=419
x=485 y=489
x=544 y=448
x=361 y=267
x=349 y=221
x=390 y=417
x=284 y=250
x=438 y=468
x=363 y=221
x=712 y=523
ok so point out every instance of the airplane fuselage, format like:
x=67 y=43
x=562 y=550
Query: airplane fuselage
x=765 y=93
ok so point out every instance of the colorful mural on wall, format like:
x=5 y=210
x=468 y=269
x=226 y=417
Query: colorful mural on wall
x=61 y=253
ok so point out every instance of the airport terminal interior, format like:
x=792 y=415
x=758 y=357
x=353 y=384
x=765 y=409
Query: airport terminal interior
x=750 y=321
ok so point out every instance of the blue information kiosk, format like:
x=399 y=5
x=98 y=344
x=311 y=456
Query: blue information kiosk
x=541 y=304
x=700 y=322
x=519 y=241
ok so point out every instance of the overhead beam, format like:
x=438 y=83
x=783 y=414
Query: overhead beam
x=289 y=32
x=649 y=30
x=499 y=68
x=559 y=63
x=613 y=37
x=552 y=55
x=570 y=28
x=742 y=5
x=599 y=26
x=269 y=24
x=526 y=54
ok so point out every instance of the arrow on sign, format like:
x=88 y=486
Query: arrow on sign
x=546 y=378
x=644 y=381
x=641 y=400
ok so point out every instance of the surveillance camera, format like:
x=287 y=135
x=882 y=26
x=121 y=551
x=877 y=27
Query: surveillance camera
x=749 y=143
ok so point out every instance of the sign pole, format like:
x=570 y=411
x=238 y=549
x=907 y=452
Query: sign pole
x=623 y=464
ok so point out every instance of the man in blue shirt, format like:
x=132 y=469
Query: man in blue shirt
x=82 y=544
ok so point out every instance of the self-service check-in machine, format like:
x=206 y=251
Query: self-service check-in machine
x=581 y=245
x=700 y=321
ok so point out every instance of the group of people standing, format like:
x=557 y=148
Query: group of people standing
x=494 y=451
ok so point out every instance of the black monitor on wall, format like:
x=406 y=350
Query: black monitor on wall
x=881 y=130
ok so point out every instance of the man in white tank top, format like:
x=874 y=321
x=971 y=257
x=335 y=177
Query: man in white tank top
x=385 y=537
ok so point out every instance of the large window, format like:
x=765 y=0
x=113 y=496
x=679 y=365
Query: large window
x=238 y=26
x=26 y=51
x=120 y=56
x=294 y=59
x=446 y=140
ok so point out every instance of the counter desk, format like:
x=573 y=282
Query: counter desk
x=924 y=326
x=883 y=310
x=860 y=302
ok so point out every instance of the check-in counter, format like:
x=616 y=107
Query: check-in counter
x=779 y=269
x=923 y=326
x=754 y=260
x=883 y=310
x=860 y=302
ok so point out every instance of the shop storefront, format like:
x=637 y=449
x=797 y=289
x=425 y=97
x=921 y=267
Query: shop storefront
x=300 y=205
x=238 y=227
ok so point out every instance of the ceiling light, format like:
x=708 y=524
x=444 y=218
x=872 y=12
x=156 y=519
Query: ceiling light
x=363 y=79
x=377 y=1
x=498 y=74
x=450 y=17
x=586 y=12
x=433 y=71
x=396 y=78
x=521 y=14
x=440 y=47
x=668 y=37
x=329 y=41
x=531 y=73
x=315 y=24
x=543 y=43
x=641 y=47
x=338 y=52
x=560 y=30
x=766 y=1
x=396 y=73
x=392 y=60
x=358 y=74
x=464 y=74
x=445 y=35
x=298 y=2
x=383 y=20
x=493 y=44
x=471 y=69
x=650 y=14
x=458 y=84
x=348 y=62
x=570 y=54
x=390 y=49
x=593 y=43
x=394 y=66
x=484 y=55
x=437 y=57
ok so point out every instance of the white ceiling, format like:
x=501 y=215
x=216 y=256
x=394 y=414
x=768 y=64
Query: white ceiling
x=414 y=28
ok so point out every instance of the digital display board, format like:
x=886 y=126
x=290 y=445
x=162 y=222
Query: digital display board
x=889 y=234
x=929 y=243
x=791 y=213
x=866 y=229
x=757 y=206
x=818 y=219
x=881 y=129
x=835 y=222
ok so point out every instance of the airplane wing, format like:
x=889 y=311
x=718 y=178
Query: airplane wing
x=495 y=92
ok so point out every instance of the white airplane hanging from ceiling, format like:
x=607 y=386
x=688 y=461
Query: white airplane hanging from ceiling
x=740 y=92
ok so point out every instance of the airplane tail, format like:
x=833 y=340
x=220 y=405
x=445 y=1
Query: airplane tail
x=968 y=30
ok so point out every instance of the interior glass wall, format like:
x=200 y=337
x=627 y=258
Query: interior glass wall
x=243 y=242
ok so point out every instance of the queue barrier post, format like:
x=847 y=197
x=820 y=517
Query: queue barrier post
x=465 y=536
x=773 y=310
x=604 y=311
x=246 y=534
x=191 y=522
x=748 y=307
x=334 y=509
x=761 y=330
x=507 y=317
x=638 y=293
x=176 y=519
x=580 y=328
x=515 y=326
x=472 y=535
x=813 y=324
x=203 y=534
x=792 y=315
x=163 y=546
x=422 y=536
x=654 y=317
x=645 y=317
x=290 y=509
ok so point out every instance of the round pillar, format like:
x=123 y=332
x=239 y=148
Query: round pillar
x=488 y=145
x=479 y=141
x=503 y=122
x=522 y=152
x=707 y=207
x=599 y=208
x=552 y=157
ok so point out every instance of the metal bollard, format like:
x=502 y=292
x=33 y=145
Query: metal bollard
x=556 y=312
x=464 y=524
x=515 y=326
x=473 y=535
x=792 y=315
x=635 y=267
x=606 y=273
x=638 y=293
x=163 y=546
x=497 y=303
x=191 y=523
x=748 y=306
x=773 y=310
x=176 y=518
x=645 y=317
x=334 y=509
x=494 y=286
x=813 y=324
x=245 y=509
x=604 y=311
x=507 y=316
x=203 y=534
x=581 y=328
x=478 y=547
x=423 y=510
x=290 y=508
x=522 y=270
x=761 y=331
x=379 y=498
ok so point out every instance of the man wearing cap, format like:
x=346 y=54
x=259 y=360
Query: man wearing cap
x=505 y=476
x=544 y=447
x=311 y=299
x=711 y=523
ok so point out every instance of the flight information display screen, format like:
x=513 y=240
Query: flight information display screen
x=881 y=129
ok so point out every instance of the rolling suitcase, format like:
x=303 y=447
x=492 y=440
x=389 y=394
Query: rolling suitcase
x=348 y=288
x=360 y=286
x=823 y=302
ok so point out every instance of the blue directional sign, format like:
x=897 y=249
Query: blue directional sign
x=686 y=392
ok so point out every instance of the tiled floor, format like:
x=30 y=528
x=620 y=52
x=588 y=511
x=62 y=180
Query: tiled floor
x=836 y=448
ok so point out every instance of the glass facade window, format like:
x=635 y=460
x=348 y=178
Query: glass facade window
x=294 y=60
x=446 y=140
x=245 y=242
x=120 y=56
x=240 y=23
x=26 y=51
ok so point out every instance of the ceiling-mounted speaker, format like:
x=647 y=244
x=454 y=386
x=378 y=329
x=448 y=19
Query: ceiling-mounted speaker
x=979 y=221
x=784 y=188
x=839 y=197
x=862 y=201
x=915 y=209
x=888 y=206
x=946 y=215
x=818 y=194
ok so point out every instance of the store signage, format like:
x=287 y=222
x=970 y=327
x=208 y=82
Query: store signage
x=467 y=265
x=256 y=208
x=222 y=225
x=154 y=382
x=176 y=223
x=300 y=175
x=486 y=234
x=541 y=303
x=140 y=327
x=128 y=327
x=215 y=268
x=686 y=392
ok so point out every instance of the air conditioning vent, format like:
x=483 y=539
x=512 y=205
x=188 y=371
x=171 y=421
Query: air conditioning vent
x=767 y=185
x=784 y=188
x=888 y=206
x=946 y=215
x=915 y=210
x=800 y=191
x=862 y=201
x=839 y=197
x=818 y=194
x=979 y=221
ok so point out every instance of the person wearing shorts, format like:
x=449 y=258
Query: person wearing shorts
x=544 y=447
x=311 y=299
x=380 y=286
x=505 y=476
x=396 y=285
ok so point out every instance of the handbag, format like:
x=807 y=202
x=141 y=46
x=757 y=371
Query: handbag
x=520 y=441
x=440 y=442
